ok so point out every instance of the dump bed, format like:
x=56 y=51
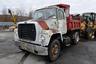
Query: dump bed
x=73 y=24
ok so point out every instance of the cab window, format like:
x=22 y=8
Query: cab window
x=60 y=14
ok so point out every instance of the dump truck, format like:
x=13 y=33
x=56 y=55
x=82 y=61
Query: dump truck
x=88 y=25
x=50 y=29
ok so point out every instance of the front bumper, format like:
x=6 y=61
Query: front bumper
x=36 y=49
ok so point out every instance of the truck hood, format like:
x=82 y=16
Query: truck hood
x=41 y=23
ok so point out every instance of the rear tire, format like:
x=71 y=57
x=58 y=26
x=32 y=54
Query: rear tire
x=76 y=38
x=54 y=50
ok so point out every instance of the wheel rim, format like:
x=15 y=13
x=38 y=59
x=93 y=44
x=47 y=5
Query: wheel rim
x=55 y=50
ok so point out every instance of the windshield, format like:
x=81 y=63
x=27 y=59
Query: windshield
x=44 y=14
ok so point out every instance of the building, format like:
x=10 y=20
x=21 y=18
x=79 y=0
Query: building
x=6 y=20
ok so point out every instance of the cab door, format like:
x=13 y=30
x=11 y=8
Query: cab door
x=52 y=19
x=62 y=21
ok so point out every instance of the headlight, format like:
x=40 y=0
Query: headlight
x=42 y=39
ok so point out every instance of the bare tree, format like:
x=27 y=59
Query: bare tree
x=20 y=12
x=31 y=13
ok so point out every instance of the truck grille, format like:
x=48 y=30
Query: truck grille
x=27 y=31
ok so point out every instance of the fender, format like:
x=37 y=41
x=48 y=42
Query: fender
x=56 y=36
x=50 y=36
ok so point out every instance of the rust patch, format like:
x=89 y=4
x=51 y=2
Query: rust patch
x=54 y=30
x=43 y=25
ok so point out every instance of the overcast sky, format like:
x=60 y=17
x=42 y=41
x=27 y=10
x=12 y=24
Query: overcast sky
x=77 y=6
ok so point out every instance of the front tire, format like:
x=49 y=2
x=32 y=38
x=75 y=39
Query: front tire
x=54 y=50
